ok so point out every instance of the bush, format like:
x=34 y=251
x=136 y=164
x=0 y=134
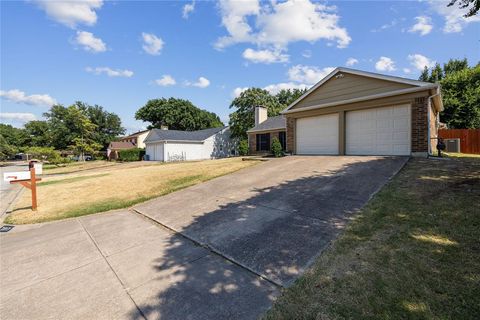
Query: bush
x=277 y=148
x=134 y=154
x=243 y=147
x=46 y=154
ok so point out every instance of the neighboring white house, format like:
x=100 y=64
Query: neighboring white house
x=137 y=138
x=175 y=145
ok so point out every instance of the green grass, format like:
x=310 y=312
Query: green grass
x=461 y=155
x=412 y=253
x=70 y=180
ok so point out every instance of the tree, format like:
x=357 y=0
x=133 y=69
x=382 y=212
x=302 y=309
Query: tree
x=108 y=124
x=465 y=4
x=7 y=151
x=287 y=96
x=461 y=99
x=424 y=76
x=436 y=74
x=69 y=123
x=177 y=114
x=14 y=136
x=46 y=154
x=39 y=133
x=454 y=65
x=243 y=118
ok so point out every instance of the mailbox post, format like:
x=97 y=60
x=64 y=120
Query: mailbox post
x=28 y=181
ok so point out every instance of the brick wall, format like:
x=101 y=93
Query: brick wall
x=290 y=134
x=433 y=128
x=420 y=125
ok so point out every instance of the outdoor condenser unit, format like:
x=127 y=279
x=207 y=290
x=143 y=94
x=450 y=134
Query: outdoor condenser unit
x=452 y=145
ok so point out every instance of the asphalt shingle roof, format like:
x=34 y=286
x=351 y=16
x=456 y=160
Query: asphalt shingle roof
x=121 y=145
x=271 y=123
x=178 y=135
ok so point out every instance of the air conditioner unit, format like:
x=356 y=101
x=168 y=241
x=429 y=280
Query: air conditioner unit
x=452 y=145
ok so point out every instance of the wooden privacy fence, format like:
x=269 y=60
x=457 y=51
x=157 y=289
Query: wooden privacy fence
x=469 y=138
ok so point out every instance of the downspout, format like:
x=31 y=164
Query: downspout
x=429 y=146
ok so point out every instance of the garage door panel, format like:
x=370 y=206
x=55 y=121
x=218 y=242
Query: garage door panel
x=378 y=131
x=317 y=135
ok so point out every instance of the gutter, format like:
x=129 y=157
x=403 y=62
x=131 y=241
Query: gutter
x=176 y=141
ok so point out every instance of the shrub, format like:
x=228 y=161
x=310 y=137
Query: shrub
x=134 y=154
x=277 y=148
x=243 y=147
x=46 y=154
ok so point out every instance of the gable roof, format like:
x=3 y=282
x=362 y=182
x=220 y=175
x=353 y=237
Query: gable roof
x=417 y=86
x=121 y=145
x=136 y=134
x=272 y=123
x=178 y=135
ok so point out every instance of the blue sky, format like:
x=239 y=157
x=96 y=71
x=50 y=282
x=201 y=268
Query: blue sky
x=119 y=54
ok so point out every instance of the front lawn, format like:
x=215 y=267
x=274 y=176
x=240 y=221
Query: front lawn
x=115 y=187
x=412 y=253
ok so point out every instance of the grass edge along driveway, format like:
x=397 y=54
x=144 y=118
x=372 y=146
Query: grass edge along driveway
x=411 y=253
x=122 y=187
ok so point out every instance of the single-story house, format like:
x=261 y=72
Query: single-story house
x=353 y=112
x=176 y=145
x=115 y=146
x=137 y=138
x=266 y=129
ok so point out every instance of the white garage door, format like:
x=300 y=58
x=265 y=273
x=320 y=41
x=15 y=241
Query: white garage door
x=378 y=131
x=155 y=151
x=317 y=135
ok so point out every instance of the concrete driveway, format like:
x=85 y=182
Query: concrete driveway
x=221 y=249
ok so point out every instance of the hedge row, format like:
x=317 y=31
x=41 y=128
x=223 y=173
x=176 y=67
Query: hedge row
x=135 y=154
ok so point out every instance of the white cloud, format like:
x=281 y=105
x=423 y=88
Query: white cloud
x=110 y=72
x=308 y=75
x=202 y=82
x=71 y=13
x=264 y=56
x=454 y=15
x=276 y=24
x=187 y=9
x=407 y=70
x=166 y=80
x=89 y=42
x=276 y=88
x=18 y=96
x=152 y=44
x=237 y=91
x=420 y=62
x=351 y=61
x=385 y=64
x=386 y=26
x=423 y=26
x=17 y=116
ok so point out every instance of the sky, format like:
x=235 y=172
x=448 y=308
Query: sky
x=120 y=54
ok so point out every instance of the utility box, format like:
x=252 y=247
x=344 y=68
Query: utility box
x=452 y=145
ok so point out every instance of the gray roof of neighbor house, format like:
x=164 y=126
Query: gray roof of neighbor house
x=272 y=123
x=178 y=135
x=136 y=134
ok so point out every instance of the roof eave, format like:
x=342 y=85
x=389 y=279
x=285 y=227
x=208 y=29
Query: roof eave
x=360 y=99
x=357 y=72
x=269 y=129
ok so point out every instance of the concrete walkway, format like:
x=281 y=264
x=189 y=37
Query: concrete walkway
x=120 y=266
x=219 y=250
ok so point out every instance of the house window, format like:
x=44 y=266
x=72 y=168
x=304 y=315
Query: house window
x=282 y=136
x=263 y=142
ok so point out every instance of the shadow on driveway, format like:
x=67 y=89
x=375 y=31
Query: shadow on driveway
x=275 y=230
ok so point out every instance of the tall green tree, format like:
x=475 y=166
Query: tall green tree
x=461 y=99
x=15 y=137
x=68 y=123
x=177 y=114
x=460 y=87
x=108 y=124
x=243 y=118
x=39 y=133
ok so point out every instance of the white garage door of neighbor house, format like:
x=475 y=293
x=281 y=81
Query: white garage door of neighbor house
x=379 y=131
x=317 y=135
x=155 y=151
